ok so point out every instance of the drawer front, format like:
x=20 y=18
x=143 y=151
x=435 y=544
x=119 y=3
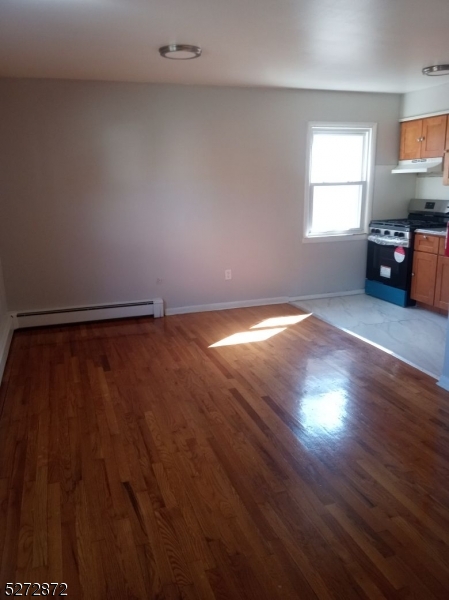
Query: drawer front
x=427 y=243
x=442 y=244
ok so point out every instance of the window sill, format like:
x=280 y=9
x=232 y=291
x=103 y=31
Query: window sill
x=335 y=238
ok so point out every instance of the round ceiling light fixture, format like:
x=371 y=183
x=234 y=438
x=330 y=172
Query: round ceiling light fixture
x=180 y=51
x=436 y=70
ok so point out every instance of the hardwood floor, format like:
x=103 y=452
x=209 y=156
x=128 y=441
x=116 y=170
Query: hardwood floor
x=138 y=462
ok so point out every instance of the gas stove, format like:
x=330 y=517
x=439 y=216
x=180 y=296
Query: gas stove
x=404 y=225
x=390 y=249
x=400 y=229
x=391 y=234
x=424 y=214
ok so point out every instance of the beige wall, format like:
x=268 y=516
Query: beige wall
x=109 y=187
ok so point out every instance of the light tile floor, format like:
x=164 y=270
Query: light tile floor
x=413 y=334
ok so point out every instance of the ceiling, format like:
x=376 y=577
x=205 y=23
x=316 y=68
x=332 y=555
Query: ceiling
x=364 y=45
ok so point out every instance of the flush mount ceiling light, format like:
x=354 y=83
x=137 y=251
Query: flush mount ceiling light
x=436 y=70
x=180 y=51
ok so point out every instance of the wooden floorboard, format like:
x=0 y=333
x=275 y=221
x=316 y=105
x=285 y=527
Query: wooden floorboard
x=137 y=461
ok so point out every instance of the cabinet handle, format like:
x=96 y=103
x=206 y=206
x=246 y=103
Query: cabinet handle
x=413 y=274
x=424 y=237
x=418 y=139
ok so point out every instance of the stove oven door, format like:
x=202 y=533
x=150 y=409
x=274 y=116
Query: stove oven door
x=389 y=263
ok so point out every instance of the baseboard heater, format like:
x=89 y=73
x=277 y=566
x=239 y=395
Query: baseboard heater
x=80 y=314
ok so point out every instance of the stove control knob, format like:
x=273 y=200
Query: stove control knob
x=386 y=232
x=400 y=234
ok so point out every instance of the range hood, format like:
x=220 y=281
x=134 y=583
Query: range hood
x=420 y=165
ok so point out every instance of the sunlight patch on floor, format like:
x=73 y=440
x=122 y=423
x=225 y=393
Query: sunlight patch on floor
x=246 y=337
x=281 y=321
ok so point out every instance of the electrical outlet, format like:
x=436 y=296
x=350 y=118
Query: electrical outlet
x=159 y=280
x=228 y=274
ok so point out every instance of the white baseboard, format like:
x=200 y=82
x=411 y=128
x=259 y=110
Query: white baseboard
x=182 y=310
x=331 y=295
x=94 y=312
x=6 y=331
x=443 y=382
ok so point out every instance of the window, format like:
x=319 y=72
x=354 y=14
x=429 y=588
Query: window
x=339 y=180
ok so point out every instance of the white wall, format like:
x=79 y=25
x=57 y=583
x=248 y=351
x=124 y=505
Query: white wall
x=109 y=186
x=431 y=187
x=422 y=102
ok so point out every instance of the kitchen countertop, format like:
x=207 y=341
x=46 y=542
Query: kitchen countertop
x=438 y=232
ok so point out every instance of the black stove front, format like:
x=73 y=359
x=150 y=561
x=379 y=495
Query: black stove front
x=391 y=265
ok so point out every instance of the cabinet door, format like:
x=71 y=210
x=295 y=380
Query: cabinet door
x=446 y=168
x=424 y=277
x=442 y=283
x=434 y=136
x=411 y=133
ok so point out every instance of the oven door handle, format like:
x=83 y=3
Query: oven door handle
x=389 y=240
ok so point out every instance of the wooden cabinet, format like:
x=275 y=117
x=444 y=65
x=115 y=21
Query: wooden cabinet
x=441 y=299
x=411 y=133
x=446 y=160
x=430 y=274
x=424 y=277
x=446 y=169
x=434 y=137
x=423 y=138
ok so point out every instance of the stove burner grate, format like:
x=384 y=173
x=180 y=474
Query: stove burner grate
x=406 y=224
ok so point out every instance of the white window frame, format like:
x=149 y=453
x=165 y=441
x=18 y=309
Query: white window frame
x=367 y=193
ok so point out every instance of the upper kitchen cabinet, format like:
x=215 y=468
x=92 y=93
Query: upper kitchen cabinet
x=423 y=138
x=411 y=134
x=434 y=137
x=446 y=160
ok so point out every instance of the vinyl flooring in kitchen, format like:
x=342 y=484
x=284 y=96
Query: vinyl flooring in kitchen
x=413 y=334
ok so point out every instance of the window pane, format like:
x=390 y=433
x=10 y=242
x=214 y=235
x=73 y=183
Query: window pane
x=337 y=157
x=336 y=208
